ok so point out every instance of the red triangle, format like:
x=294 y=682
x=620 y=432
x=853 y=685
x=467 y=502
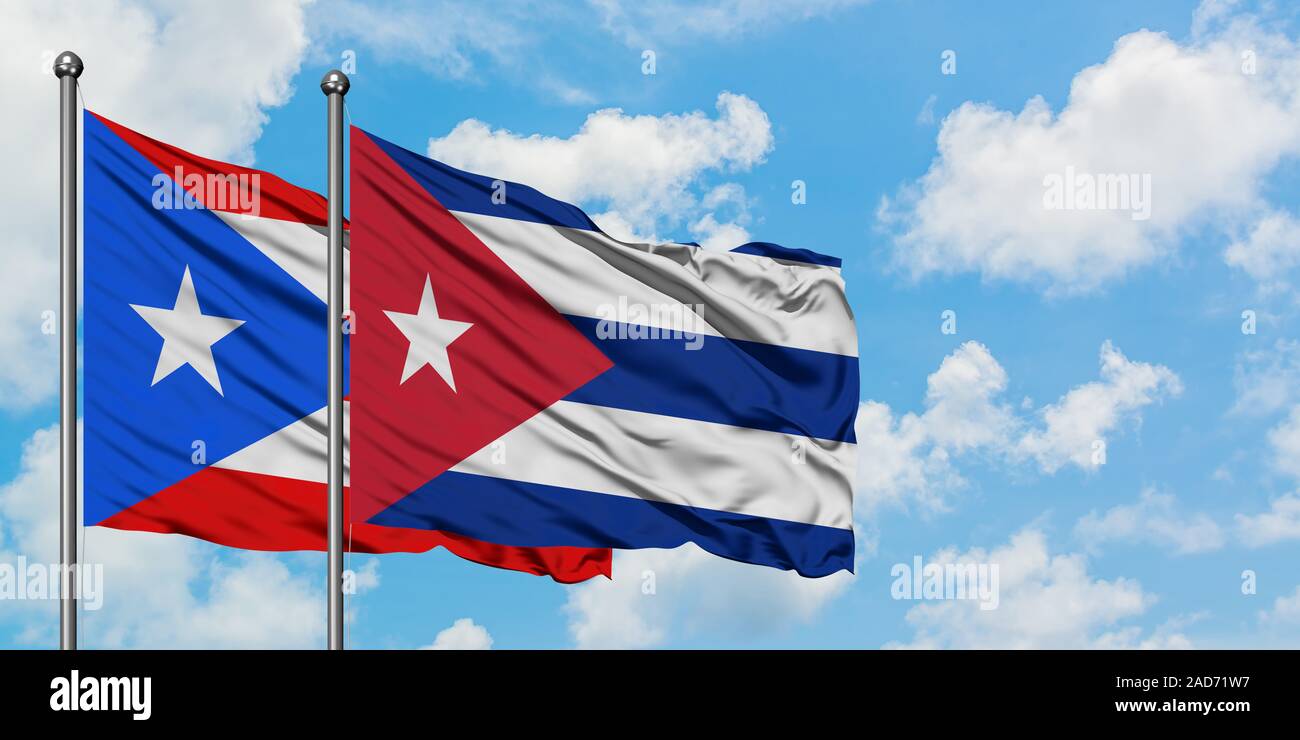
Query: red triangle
x=519 y=357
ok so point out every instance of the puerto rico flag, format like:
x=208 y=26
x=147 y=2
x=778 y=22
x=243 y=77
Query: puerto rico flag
x=205 y=360
x=523 y=378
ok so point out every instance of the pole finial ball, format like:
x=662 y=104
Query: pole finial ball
x=335 y=81
x=68 y=64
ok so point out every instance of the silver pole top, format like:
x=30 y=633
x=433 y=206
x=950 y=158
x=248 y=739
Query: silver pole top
x=333 y=82
x=69 y=64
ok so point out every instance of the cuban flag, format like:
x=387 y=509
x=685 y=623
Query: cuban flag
x=522 y=377
x=205 y=360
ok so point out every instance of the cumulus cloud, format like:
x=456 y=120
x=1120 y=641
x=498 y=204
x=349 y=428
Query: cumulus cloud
x=251 y=601
x=1045 y=601
x=1087 y=414
x=641 y=169
x=1204 y=123
x=1269 y=250
x=898 y=463
x=1155 y=519
x=723 y=227
x=1280 y=523
x=663 y=595
x=909 y=458
x=463 y=634
x=639 y=23
x=159 y=590
x=164 y=86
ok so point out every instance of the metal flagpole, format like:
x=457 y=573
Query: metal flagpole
x=335 y=85
x=67 y=67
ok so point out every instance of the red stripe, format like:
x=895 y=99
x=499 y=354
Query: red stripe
x=277 y=198
x=263 y=512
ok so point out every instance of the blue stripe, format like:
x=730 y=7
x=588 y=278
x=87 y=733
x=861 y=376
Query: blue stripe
x=458 y=190
x=776 y=251
x=533 y=515
x=726 y=381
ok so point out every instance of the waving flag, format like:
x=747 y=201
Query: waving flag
x=205 y=373
x=522 y=377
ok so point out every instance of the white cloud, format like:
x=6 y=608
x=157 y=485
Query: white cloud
x=1284 y=439
x=27 y=501
x=1279 y=524
x=641 y=168
x=898 y=463
x=960 y=410
x=1211 y=14
x=1186 y=114
x=365 y=578
x=1154 y=519
x=1045 y=601
x=1269 y=251
x=910 y=458
x=1090 y=412
x=614 y=224
x=1166 y=636
x=463 y=634
x=159 y=590
x=165 y=86
x=662 y=595
x=253 y=601
x=925 y=117
x=1267 y=381
x=710 y=234
x=1285 y=611
x=566 y=92
x=446 y=37
x=639 y=23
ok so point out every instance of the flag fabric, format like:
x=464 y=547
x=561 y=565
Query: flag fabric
x=205 y=360
x=524 y=378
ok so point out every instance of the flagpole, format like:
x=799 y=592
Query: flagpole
x=335 y=85
x=68 y=67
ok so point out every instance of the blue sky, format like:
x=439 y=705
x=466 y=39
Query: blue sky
x=980 y=441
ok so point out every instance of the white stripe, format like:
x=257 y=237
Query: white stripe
x=298 y=248
x=622 y=453
x=676 y=461
x=744 y=296
x=584 y=273
x=298 y=451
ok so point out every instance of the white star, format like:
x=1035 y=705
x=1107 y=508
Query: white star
x=188 y=334
x=429 y=335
